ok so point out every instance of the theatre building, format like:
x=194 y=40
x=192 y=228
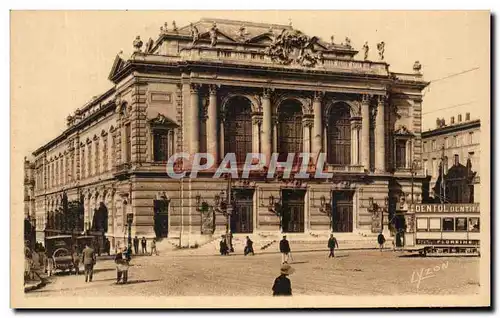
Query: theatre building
x=218 y=87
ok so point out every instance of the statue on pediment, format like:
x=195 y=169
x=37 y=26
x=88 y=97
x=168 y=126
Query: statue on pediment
x=195 y=34
x=137 y=44
x=242 y=32
x=213 y=35
x=402 y=130
x=331 y=40
x=347 y=42
x=174 y=26
x=366 y=49
x=381 y=50
x=417 y=67
x=292 y=46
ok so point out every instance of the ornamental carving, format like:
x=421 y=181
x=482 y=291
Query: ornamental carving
x=293 y=47
x=160 y=120
x=402 y=130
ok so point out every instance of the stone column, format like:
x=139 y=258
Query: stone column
x=256 y=123
x=212 y=146
x=266 y=124
x=275 y=134
x=317 y=127
x=355 y=142
x=194 y=118
x=221 y=141
x=306 y=126
x=365 y=131
x=380 y=135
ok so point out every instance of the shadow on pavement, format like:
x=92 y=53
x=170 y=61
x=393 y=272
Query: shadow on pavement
x=138 y=281
x=99 y=270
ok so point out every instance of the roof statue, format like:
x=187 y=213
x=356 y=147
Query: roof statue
x=174 y=26
x=213 y=34
x=137 y=44
x=332 y=43
x=381 y=50
x=149 y=46
x=165 y=27
x=347 y=42
x=366 y=49
x=195 y=34
x=292 y=46
x=417 y=66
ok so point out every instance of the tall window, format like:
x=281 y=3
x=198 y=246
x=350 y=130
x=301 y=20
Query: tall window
x=433 y=145
x=471 y=138
x=61 y=170
x=290 y=139
x=113 y=149
x=72 y=178
x=97 y=158
x=56 y=181
x=339 y=136
x=82 y=163
x=66 y=168
x=160 y=145
x=89 y=160
x=400 y=154
x=457 y=161
x=426 y=167
x=446 y=145
x=128 y=143
x=238 y=128
x=105 y=153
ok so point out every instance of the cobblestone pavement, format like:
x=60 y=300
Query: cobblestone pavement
x=350 y=273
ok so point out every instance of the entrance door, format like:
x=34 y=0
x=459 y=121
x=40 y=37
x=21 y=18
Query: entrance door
x=342 y=211
x=242 y=217
x=292 y=218
x=161 y=218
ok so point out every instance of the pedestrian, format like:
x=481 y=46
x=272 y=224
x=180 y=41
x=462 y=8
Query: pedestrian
x=97 y=248
x=223 y=246
x=284 y=250
x=332 y=243
x=136 y=245
x=282 y=285
x=107 y=246
x=76 y=260
x=88 y=260
x=153 y=247
x=143 y=243
x=249 y=247
x=381 y=241
x=122 y=260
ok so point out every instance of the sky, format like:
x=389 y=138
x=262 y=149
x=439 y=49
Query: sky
x=61 y=59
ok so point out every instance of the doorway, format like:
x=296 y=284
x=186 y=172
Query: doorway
x=161 y=218
x=242 y=217
x=292 y=216
x=342 y=207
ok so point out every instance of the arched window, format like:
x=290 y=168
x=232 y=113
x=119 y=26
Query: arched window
x=238 y=128
x=290 y=139
x=339 y=135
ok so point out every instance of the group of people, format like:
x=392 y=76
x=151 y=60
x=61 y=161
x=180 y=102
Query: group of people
x=144 y=249
x=226 y=246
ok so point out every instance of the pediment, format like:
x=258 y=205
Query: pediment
x=221 y=36
x=118 y=64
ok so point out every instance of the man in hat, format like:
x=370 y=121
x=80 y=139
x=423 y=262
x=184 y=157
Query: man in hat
x=332 y=243
x=282 y=285
x=284 y=250
x=136 y=245
x=122 y=260
x=249 y=247
x=88 y=260
x=381 y=241
x=143 y=244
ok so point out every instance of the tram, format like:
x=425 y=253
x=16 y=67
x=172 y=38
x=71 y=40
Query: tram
x=443 y=229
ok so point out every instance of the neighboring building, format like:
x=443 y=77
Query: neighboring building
x=231 y=86
x=452 y=151
x=30 y=220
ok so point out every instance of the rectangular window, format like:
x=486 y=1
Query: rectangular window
x=448 y=225
x=113 y=150
x=97 y=168
x=82 y=164
x=433 y=145
x=455 y=143
x=400 y=154
x=446 y=145
x=89 y=160
x=105 y=154
x=435 y=224
x=128 y=143
x=425 y=146
x=426 y=167
x=160 y=145
x=473 y=224
x=461 y=224
x=471 y=138
x=422 y=224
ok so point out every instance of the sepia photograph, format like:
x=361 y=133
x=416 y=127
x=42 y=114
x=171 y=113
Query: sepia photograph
x=250 y=159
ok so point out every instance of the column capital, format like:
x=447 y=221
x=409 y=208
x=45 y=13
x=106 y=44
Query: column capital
x=212 y=89
x=267 y=92
x=307 y=122
x=366 y=98
x=256 y=120
x=381 y=99
x=194 y=88
x=318 y=96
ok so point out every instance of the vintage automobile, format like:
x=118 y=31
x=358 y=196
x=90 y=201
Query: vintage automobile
x=59 y=251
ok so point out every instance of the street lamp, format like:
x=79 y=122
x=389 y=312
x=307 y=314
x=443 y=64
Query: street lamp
x=130 y=219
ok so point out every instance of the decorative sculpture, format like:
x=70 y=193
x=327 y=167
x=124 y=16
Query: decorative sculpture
x=366 y=49
x=242 y=31
x=417 y=67
x=195 y=34
x=213 y=35
x=331 y=40
x=161 y=30
x=174 y=26
x=348 y=42
x=149 y=46
x=291 y=46
x=381 y=50
x=137 y=44
x=165 y=27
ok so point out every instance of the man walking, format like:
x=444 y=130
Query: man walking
x=249 y=247
x=136 y=245
x=89 y=260
x=143 y=243
x=153 y=247
x=282 y=285
x=381 y=241
x=332 y=243
x=284 y=250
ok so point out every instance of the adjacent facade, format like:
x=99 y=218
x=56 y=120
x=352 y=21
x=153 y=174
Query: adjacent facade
x=222 y=86
x=450 y=160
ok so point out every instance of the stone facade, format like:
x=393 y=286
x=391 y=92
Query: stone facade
x=222 y=85
x=452 y=144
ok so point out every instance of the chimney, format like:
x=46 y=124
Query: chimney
x=467 y=116
x=459 y=118
x=452 y=120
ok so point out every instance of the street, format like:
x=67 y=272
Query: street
x=350 y=273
